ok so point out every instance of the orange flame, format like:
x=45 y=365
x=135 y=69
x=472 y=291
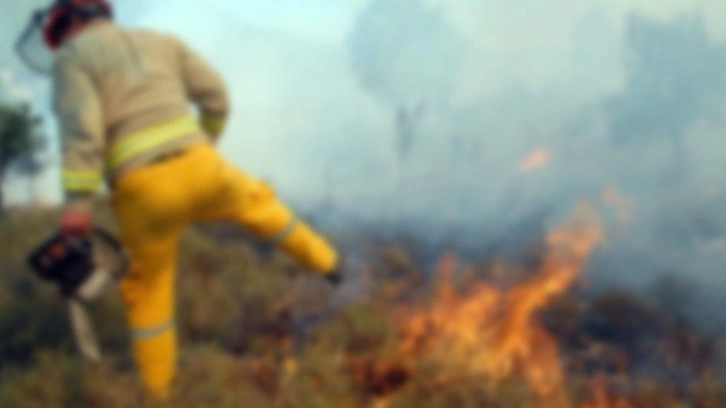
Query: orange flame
x=535 y=160
x=602 y=399
x=494 y=333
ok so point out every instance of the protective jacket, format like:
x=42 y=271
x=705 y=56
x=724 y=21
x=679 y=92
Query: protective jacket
x=112 y=118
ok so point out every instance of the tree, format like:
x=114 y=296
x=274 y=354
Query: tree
x=676 y=76
x=406 y=55
x=19 y=143
x=32 y=167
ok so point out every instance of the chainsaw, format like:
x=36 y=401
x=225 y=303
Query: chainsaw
x=84 y=269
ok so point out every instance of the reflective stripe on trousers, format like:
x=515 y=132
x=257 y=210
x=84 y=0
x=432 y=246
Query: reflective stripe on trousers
x=152 y=332
x=283 y=235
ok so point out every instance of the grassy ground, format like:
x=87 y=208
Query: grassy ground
x=241 y=323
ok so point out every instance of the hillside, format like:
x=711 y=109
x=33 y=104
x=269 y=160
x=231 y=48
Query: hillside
x=258 y=331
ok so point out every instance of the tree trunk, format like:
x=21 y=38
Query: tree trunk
x=33 y=189
x=2 y=198
x=2 y=190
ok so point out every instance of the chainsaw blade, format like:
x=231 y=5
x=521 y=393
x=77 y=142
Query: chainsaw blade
x=83 y=331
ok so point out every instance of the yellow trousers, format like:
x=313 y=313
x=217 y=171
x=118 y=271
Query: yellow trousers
x=153 y=205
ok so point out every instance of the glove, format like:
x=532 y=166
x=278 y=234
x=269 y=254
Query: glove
x=76 y=222
x=214 y=126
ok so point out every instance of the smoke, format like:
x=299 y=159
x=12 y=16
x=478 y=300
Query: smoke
x=419 y=114
x=628 y=99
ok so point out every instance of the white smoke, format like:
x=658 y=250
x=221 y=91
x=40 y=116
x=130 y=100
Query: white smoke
x=533 y=75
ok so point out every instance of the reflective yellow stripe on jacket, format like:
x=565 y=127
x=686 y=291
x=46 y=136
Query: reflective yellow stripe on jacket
x=81 y=181
x=151 y=138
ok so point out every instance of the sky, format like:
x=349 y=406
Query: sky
x=315 y=97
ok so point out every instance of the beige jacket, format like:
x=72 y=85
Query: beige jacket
x=122 y=99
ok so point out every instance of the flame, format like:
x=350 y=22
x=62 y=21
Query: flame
x=601 y=398
x=494 y=333
x=537 y=159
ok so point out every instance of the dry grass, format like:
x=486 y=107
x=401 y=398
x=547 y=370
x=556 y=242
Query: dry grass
x=240 y=317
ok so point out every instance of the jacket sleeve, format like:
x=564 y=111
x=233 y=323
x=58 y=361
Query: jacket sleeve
x=80 y=121
x=206 y=88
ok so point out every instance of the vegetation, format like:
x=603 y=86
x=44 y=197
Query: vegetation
x=257 y=332
x=20 y=141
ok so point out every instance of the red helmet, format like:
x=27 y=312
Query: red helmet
x=66 y=16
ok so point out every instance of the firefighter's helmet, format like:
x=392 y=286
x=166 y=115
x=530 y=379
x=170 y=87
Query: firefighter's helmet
x=49 y=27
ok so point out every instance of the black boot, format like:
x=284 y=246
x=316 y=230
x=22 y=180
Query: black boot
x=335 y=277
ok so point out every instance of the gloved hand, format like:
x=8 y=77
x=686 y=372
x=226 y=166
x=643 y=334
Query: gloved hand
x=76 y=222
x=214 y=126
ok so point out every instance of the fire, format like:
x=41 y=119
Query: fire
x=535 y=160
x=601 y=398
x=494 y=333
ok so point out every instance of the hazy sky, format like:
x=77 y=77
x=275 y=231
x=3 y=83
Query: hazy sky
x=279 y=100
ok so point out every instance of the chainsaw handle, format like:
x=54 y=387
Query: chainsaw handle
x=108 y=238
x=114 y=243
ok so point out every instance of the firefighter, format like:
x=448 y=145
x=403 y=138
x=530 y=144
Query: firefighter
x=121 y=99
